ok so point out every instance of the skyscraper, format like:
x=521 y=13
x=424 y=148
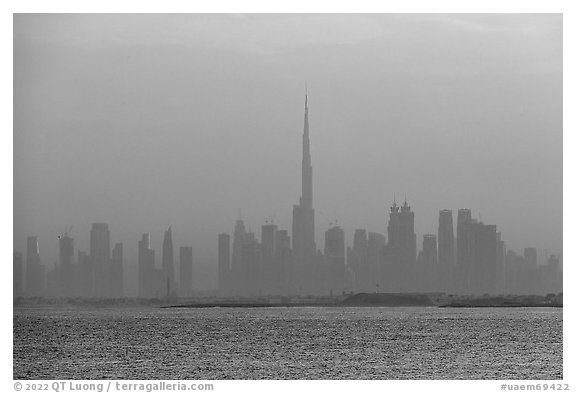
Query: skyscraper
x=239 y=268
x=427 y=270
x=224 y=263
x=67 y=279
x=304 y=246
x=86 y=275
x=284 y=258
x=429 y=250
x=185 y=271
x=146 y=270
x=252 y=265
x=358 y=260
x=270 y=271
x=445 y=251
x=334 y=254
x=168 y=263
x=401 y=249
x=464 y=244
x=377 y=275
x=484 y=268
x=35 y=274
x=117 y=270
x=478 y=256
x=100 y=258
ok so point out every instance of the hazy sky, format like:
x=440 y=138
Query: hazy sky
x=146 y=121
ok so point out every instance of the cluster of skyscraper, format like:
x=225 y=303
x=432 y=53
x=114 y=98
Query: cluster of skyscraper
x=97 y=274
x=472 y=262
x=100 y=274
x=156 y=282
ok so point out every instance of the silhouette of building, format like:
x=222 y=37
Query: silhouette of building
x=224 y=275
x=35 y=272
x=117 y=270
x=464 y=245
x=445 y=251
x=379 y=280
x=524 y=277
x=479 y=255
x=17 y=275
x=357 y=259
x=186 y=271
x=147 y=280
x=501 y=261
x=168 y=263
x=552 y=275
x=334 y=254
x=252 y=265
x=304 y=245
x=100 y=258
x=400 y=253
x=284 y=262
x=484 y=277
x=239 y=265
x=270 y=265
x=86 y=275
x=67 y=283
x=427 y=270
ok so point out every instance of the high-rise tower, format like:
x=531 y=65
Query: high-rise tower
x=66 y=245
x=168 y=263
x=304 y=245
x=334 y=249
x=400 y=254
x=445 y=239
x=146 y=284
x=224 y=275
x=446 y=249
x=117 y=270
x=464 y=248
x=35 y=280
x=100 y=258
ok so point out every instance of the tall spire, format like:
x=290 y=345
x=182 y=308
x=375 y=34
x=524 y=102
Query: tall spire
x=306 y=199
x=303 y=244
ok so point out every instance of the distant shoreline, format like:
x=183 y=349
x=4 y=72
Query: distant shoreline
x=397 y=300
x=338 y=305
x=440 y=300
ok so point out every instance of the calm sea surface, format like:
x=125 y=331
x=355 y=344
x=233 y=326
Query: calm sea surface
x=288 y=343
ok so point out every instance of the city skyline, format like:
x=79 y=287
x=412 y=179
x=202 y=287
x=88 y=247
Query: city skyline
x=141 y=159
x=475 y=261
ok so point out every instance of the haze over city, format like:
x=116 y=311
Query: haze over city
x=151 y=121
